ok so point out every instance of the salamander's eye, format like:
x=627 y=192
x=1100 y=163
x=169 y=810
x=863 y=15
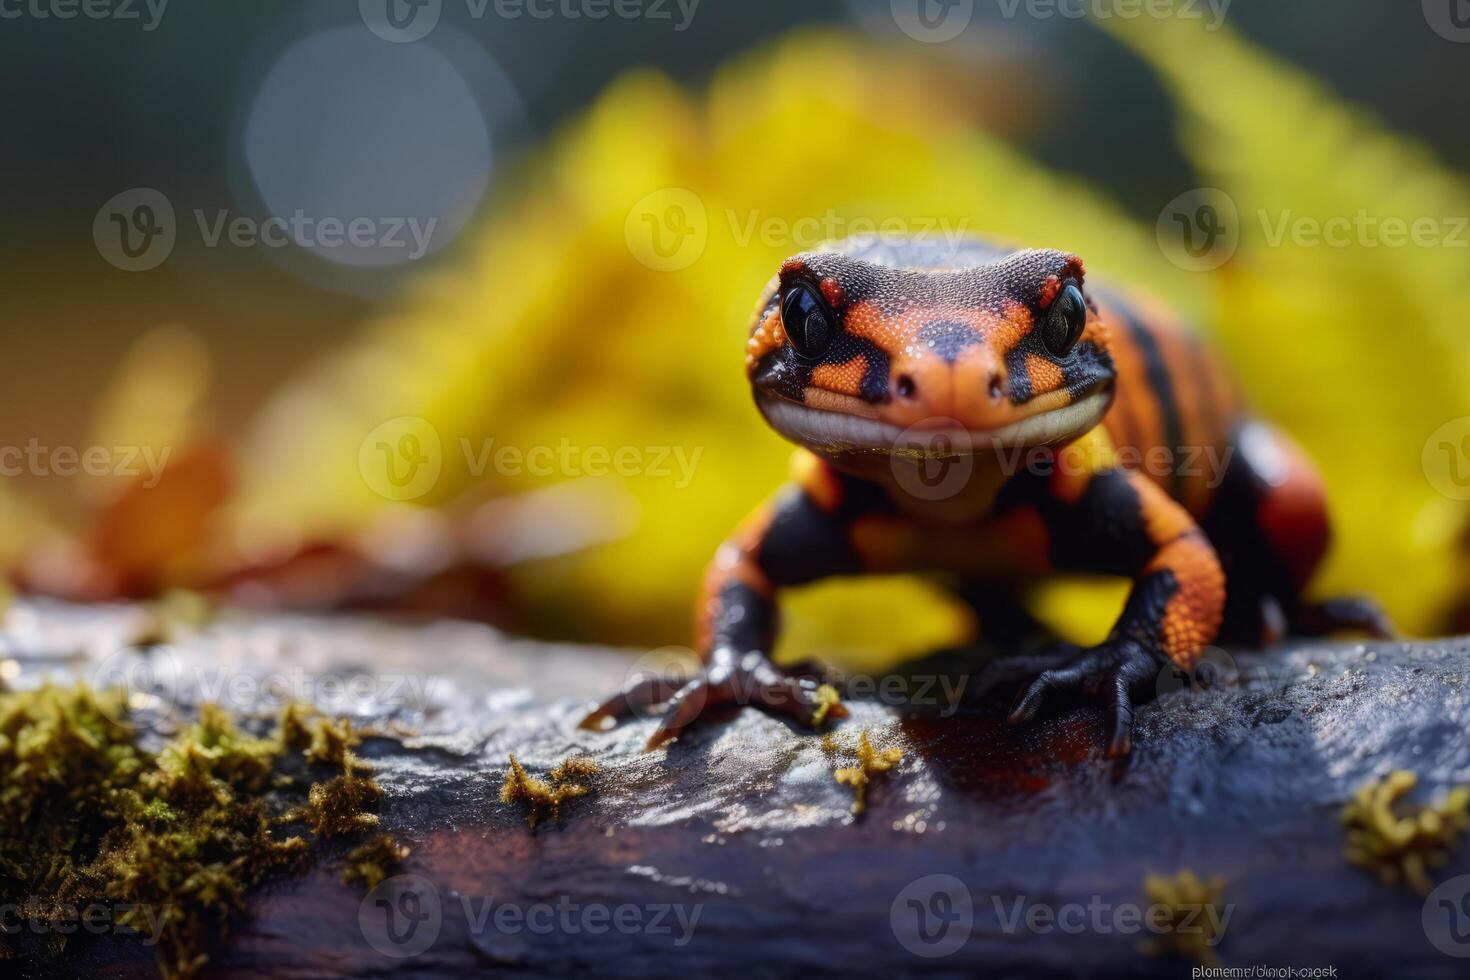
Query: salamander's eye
x=1064 y=320
x=807 y=320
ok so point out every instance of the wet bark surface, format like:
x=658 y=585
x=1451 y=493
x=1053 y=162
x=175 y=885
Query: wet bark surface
x=735 y=851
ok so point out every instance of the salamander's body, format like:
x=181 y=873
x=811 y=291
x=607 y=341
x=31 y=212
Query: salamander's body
x=993 y=415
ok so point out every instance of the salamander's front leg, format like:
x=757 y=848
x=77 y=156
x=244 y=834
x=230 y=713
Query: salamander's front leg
x=1115 y=522
x=799 y=538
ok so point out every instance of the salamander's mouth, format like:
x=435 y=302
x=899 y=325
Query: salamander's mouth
x=842 y=431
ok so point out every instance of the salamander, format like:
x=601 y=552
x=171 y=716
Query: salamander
x=992 y=415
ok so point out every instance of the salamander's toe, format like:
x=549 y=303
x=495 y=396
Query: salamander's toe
x=1118 y=671
x=1056 y=679
x=636 y=698
x=1118 y=711
x=1011 y=670
x=690 y=702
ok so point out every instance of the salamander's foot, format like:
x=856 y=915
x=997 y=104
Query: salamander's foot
x=1019 y=667
x=1119 y=671
x=741 y=679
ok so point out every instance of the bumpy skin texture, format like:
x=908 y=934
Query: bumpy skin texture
x=1121 y=450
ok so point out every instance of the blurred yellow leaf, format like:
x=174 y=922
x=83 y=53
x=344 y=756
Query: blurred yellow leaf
x=1344 y=329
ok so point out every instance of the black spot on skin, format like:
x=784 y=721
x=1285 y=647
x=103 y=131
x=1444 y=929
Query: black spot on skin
x=804 y=543
x=1104 y=532
x=1161 y=383
x=875 y=382
x=948 y=338
x=783 y=373
x=1087 y=367
x=1084 y=368
x=1019 y=375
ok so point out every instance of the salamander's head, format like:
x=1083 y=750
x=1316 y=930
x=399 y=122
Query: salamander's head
x=851 y=350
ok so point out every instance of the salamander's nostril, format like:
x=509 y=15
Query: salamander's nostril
x=905 y=386
x=995 y=388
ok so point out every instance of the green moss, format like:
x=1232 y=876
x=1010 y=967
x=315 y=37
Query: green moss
x=64 y=767
x=542 y=797
x=373 y=861
x=294 y=726
x=1402 y=844
x=1193 y=906
x=870 y=762
x=332 y=743
x=334 y=808
x=89 y=817
x=829 y=702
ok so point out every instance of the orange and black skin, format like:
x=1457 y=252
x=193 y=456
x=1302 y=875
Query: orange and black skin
x=1093 y=434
